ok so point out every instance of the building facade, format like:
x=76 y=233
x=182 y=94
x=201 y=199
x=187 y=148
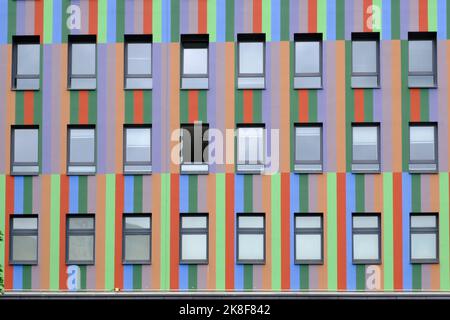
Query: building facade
x=341 y=190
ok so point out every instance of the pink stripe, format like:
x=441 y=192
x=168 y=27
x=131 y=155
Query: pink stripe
x=92 y=194
x=257 y=193
x=303 y=15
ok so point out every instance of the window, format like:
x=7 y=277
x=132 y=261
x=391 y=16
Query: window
x=250 y=148
x=308 y=238
x=26 y=63
x=25 y=150
x=365 y=60
x=137 y=234
x=423 y=151
x=422 y=57
x=138 y=151
x=81 y=150
x=308 y=148
x=366 y=147
x=308 y=61
x=251 y=238
x=424 y=238
x=194 y=61
x=82 y=62
x=194 y=148
x=138 y=62
x=366 y=238
x=193 y=238
x=23 y=239
x=80 y=239
x=251 y=60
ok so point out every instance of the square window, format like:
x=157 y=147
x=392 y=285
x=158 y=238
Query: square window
x=81 y=150
x=251 y=238
x=25 y=150
x=193 y=238
x=308 y=232
x=138 y=62
x=422 y=56
x=424 y=238
x=80 y=239
x=308 y=61
x=251 y=61
x=82 y=62
x=26 y=63
x=136 y=238
x=194 y=148
x=423 y=151
x=250 y=148
x=366 y=148
x=23 y=239
x=308 y=148
x=194 y=61
x=366 y=237
x=137 y=153
x=365 y=60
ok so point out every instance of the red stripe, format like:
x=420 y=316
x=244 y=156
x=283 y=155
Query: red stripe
x=9 y=207
x=247 y=105
x=64 y=209
x=359 y=105
x=28 y=107
x=193 y=105
x=285 y=231
x=202 y=16
x=118 y=269
x=414 y=104
x=148 y=16
x=257 y=16
x=93 y=7
x=367 y=16
x=303 y=105
x=229 y=232
x=138 y=106
x=423 y=15
x=312 y=16
x=398 y=209
x=341 y=231
x=38 y=17
x=174 y=230
x=83 y=109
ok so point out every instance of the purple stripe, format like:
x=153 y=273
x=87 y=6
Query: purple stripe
x=329 y=130
x=29 y=17
x=47 y=108
x=322 y=100
x=433 y=102
x=303 y=15
x=4 y=85
x=426 y=277
x=349 y=5
x=102 y=107
x=358 y=23
x=184 y=16
x=202 y=273
x=313 y=277
x=386 y=107
x=129 y=17
x=90 y=277
x=269 y=96
x=84 y=6
x=257 y=193
x=369 y=193
x=211 y=94
x=294 y=22
x=56 y=95
x=138 y=16
x=413 y=15
x=146 y=193
x=404 y=19
x=92 y=194
x=312 y=194
x=110 y=81
x=36 y=185
x=239 y=19
x=257 y=277
x=425 y=205
x=443 y=108
x=193 y=17
x=156 y=111
x=202 y=205
x=146 y=277
x=20 y=14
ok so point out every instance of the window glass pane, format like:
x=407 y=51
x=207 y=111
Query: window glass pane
x=26 y=145
x=195 y=61
x=83 y=58
x=83 y=83
x=308 y=246
x=251 y=222
x=27 y=84
x=193 y=222
x=423 y=246
x=364 y=56
x=420 y=56
x=139 y=58
x=365 y=246
x=425 y=221
x=137 y=247
x=365 y=143
x=137 y=222
x=307 y=57
x=81 y=223
x=25 y=223
x=138 y=144
x=251 y=247
x=82 y=145
x=307 y=144
x=365 y=222
x=250 y=145
x=251 y=57
x=194 y=246
x=308 y=222
x=81 y=248
x=24 y=248
x=28 y=59
x=422 y=143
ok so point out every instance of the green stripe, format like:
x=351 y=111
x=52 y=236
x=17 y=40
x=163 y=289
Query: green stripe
x=184 y=112
x=20 y=107
x=322 y=18
x=284 y=20
x=137 y=276
x=293 y=103
x=220 y=230
x=175 y=20
x=368 y=105
x=110 y=208
x=417 y=276
x=395 y=20
x=11 y=19
x=64 y=15
x=415 y=193
x=444 y=238
x=82 y=194
x=349 y=105
x=238 y=111
x=74 y=107
x=377 y=16
x=248 y=193
x=312 y=105
x=202 y=106
x=340 y=19
x=266 y=19
x=148 y=106
x=360 y=277
x=229 y=20
x=388 y=231
x=55 y=196
x=83 y=277
x=2 y=220
x=304 y=277
x=211 y=20
x=193 y=193
x=192 y=277
x=137 y=196
x=257 y=106
x=275 y=208
x=120 y=20
x=156 y=20
x=48 y=22
x=304 y=192
x=92 y=107
x=424 y=105
x=165 y=231
x=26 y=277
x=432 y=15
x=248 y=276
x=28 y=195
x=405 y=105
x=332 y=230
x=129 y=106
x=359 y=192
x=102 y=21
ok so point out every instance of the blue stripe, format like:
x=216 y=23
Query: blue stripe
x=406 y=204
x=183 y=272
x=184 y=193
x=295 y=269
x=239 y=207
x=166 y=20
x=129 y=194
x=275 y=23
x=220 y=20
x=3 y=21
x=18 y=195
x=18 y=277
x=57 y=21
x=386 y=33
x=73 y=194
x=350 y=204
x=128 y=277
x=441 y=19
x=331 y=20
x=111 y=21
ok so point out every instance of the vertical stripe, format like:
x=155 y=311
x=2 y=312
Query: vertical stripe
x=444 y=241
x=332 y=231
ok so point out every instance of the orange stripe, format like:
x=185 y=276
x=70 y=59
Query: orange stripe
x=38 y=17
x=229 y=232
x=312 y=16
x=267 y=267
x=118 y=269
x=257 y=16
x=322 y=207
x=340 y=105
x=229 y=101
x=64 y=209
x=100 y=236
x=367 y=16
x=303 y=105
x=359 y=105
x=93 y=7
x=247 y=106
x=138 y=106
x=414 y=104
x=64 y=110
x=193 y=105
x=285 y=159
x=397 y=207
x=156 y=231
x=396 y=126
x=285 y=231
x=83 y=98
x=9 y=207
x=174 y=230
x=423 y=15
x=28 y=107
x=341 y=232
x=148 y=16
x=211 y=204
x=202 y=16
x=44 y=225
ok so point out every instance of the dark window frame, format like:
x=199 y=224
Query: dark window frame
x=264 y=138
x=21 y=40
x=378 y=162
x=367 y=36
x=308 y=162
x=125 y=145
x=194 y=41
x=251 y=37
x=81 y=164
x=80 y=232
x=253 y=231
x=13 y=163
x=205 y=145
x=193 y=231
x=425 y=36
x=424 y=230
x=370 y=231
x=23 y=232
x=309 y=37
x=81 y=39
x=127 y=232
x=136 y=38
x=311 y=231
x=436 y=148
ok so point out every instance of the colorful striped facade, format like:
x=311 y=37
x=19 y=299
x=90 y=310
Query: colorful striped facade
x=395 y=193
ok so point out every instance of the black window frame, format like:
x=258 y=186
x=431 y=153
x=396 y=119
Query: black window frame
x=13 y=163
x=81 y=164
x=309 y=37
x=259 y=163
x=372 y=231
x=80 y=232
x=23 y=232
x=127 y=232
x=424 y=230
x=197 y=41
x=367 y=162
x=251 y=37
x=81 y=39
x=193 y=231
x=191 y=127
x=256 y=231
x=136 y=163
x=425 y=36
x=366 y=36
x=137 y=38
x=308 y=162
x=436 y=149
x=21 y=40
x=310 y=231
